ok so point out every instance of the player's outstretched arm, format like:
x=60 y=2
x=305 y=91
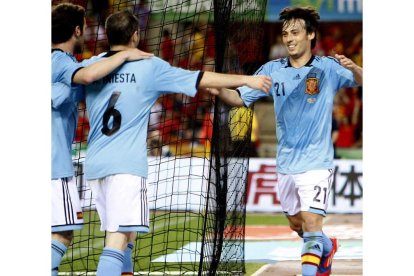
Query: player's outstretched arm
x=102 y=68
x=228 y=96
x=218 y=80
x=349 y=64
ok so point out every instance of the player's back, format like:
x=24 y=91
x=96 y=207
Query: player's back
x=118 y=109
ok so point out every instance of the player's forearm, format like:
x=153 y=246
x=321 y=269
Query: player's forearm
x=217 y=80
x=230 y=97
x=357 y=71
x=100 y=69
x=335 y=136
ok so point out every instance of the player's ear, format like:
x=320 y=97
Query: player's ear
x=135 y=37
x=311 y=35
x=78 y=31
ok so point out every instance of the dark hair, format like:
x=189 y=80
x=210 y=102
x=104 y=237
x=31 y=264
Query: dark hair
x=120 y=26
x=187 y=24
x=308 y=14
x=165 y=32
x=65 y=18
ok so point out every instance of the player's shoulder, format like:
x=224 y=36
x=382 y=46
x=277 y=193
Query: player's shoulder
x=154 y=59
x=151 y=61
x=59 y=55
x=326 y=59
x=274 y=65
x=325 y=62
x=93 y=59
x=280 y=62
x=156 y=63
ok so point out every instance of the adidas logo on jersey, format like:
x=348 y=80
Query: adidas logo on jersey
x=297 y=77
x=315 y=247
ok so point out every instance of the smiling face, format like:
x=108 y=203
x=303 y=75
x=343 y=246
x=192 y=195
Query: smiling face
x=295 y=38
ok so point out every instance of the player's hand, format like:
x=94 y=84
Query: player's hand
x=350 y=65
x=345 y=62
x=259 y=82
x=136 y=54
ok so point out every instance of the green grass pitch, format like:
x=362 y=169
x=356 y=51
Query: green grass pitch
x=168 y=236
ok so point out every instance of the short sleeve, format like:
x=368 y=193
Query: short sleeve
x=63 y=68
x=343 y=77
x=60 y=94
x=171 y=79
x=249 y=95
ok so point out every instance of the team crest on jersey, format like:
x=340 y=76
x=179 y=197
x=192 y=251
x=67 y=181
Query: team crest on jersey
x=312 y=84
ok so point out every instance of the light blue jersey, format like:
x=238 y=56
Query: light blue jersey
x=303 y=102
x=65 y=99
x=118 y=108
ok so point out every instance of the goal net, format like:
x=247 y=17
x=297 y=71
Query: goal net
x=198 y=148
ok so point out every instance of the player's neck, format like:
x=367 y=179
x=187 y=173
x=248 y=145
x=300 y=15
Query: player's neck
x=300 y=61
x=123 y=47
x=118 y=48
x=65 y=46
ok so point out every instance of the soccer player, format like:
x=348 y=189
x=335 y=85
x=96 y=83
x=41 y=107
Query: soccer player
x=68 y=26
x=303 y=90
x=116 y=159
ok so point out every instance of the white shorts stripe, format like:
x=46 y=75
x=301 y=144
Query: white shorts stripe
x=67 y=202
x=66 y=208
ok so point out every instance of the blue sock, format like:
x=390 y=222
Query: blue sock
x=58 y=250
x=327 y=244
x=110 y=262
x=128 y=268
x=311 y=252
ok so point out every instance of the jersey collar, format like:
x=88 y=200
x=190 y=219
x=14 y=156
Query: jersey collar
x=308 y=64
x=110 y=53
x=56 y=49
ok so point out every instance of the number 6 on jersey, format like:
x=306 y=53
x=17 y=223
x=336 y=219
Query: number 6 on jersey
x=112 y=112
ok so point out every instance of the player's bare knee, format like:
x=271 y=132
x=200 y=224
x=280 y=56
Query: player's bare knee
x=295 y=222
x=68 y=235
x=296 y=227
x=64 y=237
x=312 y=224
